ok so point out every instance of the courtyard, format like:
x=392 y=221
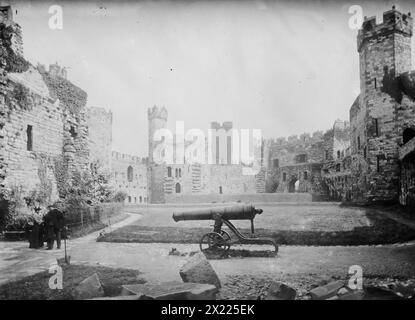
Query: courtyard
x=300 y=266
x=312 y=223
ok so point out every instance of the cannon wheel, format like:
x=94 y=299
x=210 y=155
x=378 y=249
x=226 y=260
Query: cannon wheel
x=215 y=242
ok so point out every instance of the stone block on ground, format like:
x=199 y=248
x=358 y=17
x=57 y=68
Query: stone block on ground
x=171 y=291
x=353 y=295
x=89 y=288
x=280 y=291
x=326 y=291
x=198 y=269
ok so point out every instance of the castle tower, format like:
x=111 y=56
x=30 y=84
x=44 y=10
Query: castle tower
x=385 y=54
x=16 y=41
x=384 y=49
x=157 y=119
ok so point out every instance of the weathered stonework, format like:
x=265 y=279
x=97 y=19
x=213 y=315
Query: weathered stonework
x=129 y=174
x=37 y=129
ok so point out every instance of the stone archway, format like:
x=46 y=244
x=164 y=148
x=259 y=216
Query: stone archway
x=293 y=184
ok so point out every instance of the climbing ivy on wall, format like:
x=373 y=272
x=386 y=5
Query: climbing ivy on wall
x=9 y=60
x=72 y=97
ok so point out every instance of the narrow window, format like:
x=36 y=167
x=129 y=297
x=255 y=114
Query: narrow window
x=376 y=84
x=169 y=171
x=220 y=189
x=338 y=154
x=338 y=167
x=376 y=123
x=305 y=175
x=135 y=199
x=378 y=163
x=284 y=177
x=178 y=188
x=29 y=134
x=129 y=199
x=72 y=131
x=364 y=152
x=130 y=173
x=358 y=142
x=141 y=199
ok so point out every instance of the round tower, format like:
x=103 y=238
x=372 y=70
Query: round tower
x=157 y=119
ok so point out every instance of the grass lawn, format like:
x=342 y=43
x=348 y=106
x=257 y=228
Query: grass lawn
x=316 y=224
x=36 y=287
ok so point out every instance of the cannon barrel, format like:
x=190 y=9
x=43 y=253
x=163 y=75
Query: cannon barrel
x=236 y=212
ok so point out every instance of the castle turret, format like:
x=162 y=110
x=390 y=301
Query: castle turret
x=10 y=33
x=384 y=49
x=157 y=119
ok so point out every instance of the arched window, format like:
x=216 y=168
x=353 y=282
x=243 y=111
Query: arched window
x=169 y=171
x=130 y=174
x=178 y=188
x=408 y=134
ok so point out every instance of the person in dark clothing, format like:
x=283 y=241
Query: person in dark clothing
x=54 y=224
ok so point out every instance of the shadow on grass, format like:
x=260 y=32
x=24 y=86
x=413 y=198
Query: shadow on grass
x=36 y=287
x=382 y=230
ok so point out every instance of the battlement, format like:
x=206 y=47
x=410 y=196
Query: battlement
x=393 y=22
x=100 y=111
x=227 y=125
x=128 y=158
x=56 y=70
x=157 y=113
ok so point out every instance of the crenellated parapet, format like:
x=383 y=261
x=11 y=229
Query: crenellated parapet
x=157 y=113
x=393 y=22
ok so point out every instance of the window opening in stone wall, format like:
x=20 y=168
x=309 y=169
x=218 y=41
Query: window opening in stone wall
x=305 y=175
x=130 y=174
x=408 y=134
x=378 y=163
x=220 y=189
x=29 y=135
x=129 y=199
x=376 y=84
x=358 y=142
x=284 y=177
x=141 y=199
x=376 y=123
x=72 y=131
x=338 y=167
x=338 y=154
x=169 y=171
x=178 y=188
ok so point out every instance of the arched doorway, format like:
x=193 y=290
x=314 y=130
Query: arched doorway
x=408 y=134
x=130 y=173
x=293 y=185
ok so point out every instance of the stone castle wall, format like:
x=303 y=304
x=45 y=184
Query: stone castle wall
x=100 y=137
x=129 y=174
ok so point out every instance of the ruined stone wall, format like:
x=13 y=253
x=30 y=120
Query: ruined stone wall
x=42 y=122
x=129 y=174
x=100 y=137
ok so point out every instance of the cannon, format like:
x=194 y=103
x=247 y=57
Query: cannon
x=220 y=240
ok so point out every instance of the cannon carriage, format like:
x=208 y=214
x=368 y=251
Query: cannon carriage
x=220 y=240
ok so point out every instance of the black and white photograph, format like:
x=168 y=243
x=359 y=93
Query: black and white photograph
x=223 y=151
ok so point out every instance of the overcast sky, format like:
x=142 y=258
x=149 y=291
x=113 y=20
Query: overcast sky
x=285 y=68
